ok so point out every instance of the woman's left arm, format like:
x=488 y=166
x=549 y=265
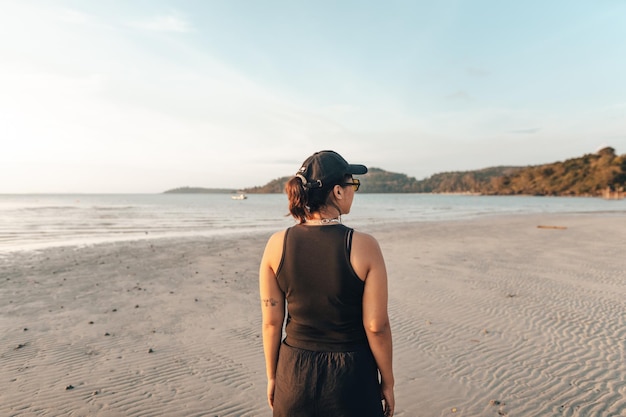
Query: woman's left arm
x=368 y=263
x=273 y=309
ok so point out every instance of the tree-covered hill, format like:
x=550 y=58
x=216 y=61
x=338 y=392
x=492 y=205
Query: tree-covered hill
x=588 y=175
x=476 y=181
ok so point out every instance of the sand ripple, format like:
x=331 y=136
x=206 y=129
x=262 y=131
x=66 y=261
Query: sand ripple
x=532 y=326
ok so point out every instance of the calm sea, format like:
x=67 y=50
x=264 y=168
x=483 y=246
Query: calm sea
x=37 y=221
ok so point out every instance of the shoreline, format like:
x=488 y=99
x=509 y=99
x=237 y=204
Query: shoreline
x=35 y=222
x=7 y=249
x=489 y=315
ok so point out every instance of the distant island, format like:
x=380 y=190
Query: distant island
x=600 y=174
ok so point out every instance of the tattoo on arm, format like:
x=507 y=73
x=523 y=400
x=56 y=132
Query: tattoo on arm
x=269 y=302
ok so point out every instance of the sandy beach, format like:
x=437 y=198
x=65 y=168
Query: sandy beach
x=508 y=315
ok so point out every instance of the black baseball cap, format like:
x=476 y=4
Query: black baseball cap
x=326 y=168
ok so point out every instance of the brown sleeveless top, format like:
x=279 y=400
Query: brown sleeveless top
x=324 y=294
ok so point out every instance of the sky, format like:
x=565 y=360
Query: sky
x=147 y=95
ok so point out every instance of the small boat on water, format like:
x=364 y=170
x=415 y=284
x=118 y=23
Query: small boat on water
x=239 y=196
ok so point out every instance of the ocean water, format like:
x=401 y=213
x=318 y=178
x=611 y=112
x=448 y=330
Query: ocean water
x=30 y=222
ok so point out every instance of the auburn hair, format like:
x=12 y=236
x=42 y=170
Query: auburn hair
x=304 y=201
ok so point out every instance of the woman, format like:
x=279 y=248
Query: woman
x=336 y=358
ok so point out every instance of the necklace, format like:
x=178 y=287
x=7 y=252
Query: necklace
x=324 y=221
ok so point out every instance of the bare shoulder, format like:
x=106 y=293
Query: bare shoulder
x=364 y=241
x=366 y=255
x=274 y=249
x=276 y=238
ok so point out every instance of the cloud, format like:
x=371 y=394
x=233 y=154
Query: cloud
x=169 y=23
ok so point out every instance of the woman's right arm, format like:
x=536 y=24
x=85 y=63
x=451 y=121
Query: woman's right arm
x=272 y=308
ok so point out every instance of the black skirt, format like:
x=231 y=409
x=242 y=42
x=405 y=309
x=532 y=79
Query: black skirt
x=326 y=384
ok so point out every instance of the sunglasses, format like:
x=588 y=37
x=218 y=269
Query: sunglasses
x=355 y=184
